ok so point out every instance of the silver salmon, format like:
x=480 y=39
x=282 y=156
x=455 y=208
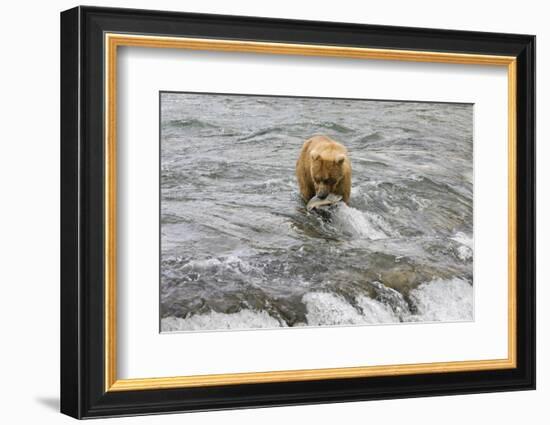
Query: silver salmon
x=316 y=202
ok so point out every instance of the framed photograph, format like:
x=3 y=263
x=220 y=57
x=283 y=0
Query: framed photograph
x=261 y=212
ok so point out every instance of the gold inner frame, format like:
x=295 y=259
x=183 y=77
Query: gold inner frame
x=113 y=41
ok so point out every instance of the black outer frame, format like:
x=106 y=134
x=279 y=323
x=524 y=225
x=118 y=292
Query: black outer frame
x=82 y=218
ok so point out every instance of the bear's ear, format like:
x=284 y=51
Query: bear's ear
x=314 y=155
x=340 y=159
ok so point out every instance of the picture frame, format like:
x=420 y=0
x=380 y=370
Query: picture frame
x=90 y=40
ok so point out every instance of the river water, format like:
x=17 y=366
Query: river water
x=240 y=251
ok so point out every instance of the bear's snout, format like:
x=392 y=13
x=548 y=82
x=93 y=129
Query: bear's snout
x=322 y=193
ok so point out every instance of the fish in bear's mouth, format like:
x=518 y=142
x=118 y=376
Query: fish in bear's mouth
x=317 y=202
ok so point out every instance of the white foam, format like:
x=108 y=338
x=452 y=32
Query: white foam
x=443 y=300
x=244 y=319
x=390 y=296
x=464 y=239
x=465 y=250
x=376 y=312
x=437 y=301
x=325 y=309
x=359 y=224
x=229 y=263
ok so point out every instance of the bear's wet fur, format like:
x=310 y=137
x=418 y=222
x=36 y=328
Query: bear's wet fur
x=323 y=167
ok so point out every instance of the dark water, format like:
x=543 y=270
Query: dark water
x=239 y=249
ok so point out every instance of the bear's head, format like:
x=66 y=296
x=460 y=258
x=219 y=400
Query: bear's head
x=327 y=172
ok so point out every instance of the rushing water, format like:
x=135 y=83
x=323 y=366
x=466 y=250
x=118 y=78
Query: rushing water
x=240 y=251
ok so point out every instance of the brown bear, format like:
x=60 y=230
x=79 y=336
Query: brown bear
x=322 y=168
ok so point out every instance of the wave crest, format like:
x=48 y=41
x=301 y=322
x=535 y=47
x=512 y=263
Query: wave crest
x=435 y=301
x=359 y=224
x=443 y=300
x=244 y=319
